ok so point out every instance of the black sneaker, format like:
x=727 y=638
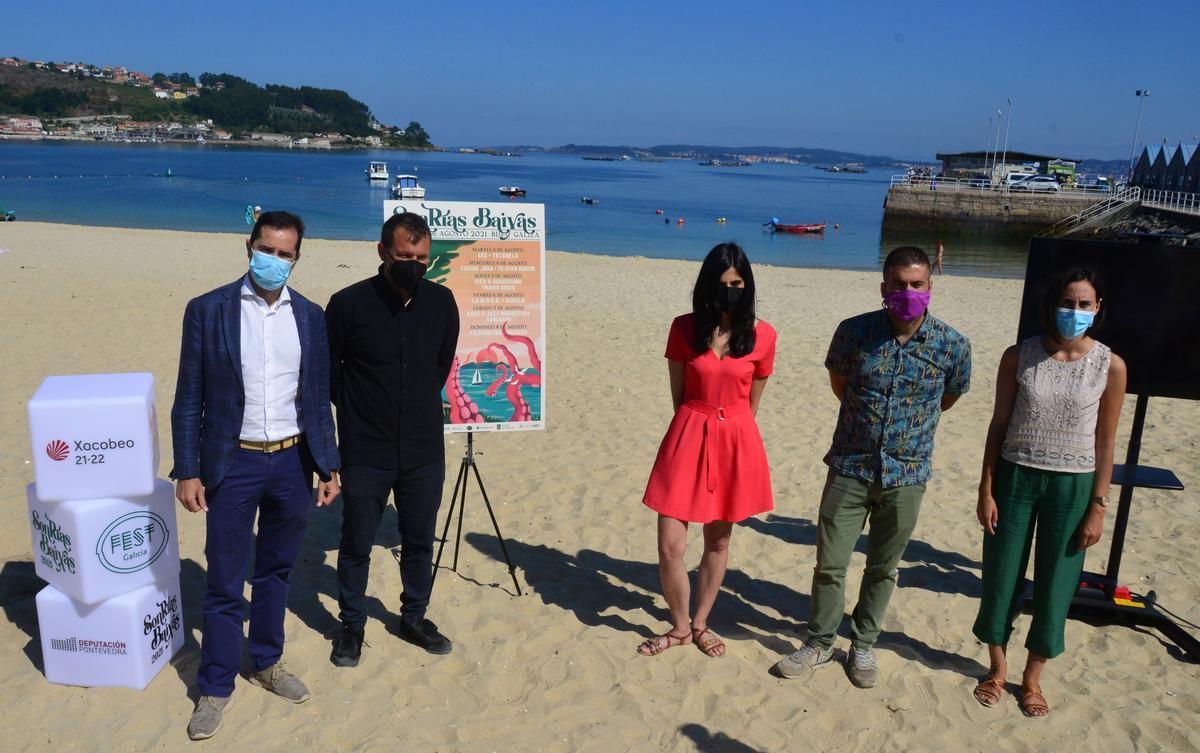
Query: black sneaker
x=425 y=634
x=347 y=646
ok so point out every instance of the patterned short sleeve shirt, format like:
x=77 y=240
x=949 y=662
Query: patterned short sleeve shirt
x=893 y=399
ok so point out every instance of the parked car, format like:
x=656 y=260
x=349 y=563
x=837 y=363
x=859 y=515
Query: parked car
x=1037 y=183
x=1012 y=178
x=980 y=181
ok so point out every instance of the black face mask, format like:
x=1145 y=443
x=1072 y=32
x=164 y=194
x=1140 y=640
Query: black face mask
x=406 y=273
x=728 y=298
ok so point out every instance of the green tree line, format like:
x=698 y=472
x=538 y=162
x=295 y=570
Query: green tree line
x=240 y=104
x=41 y=102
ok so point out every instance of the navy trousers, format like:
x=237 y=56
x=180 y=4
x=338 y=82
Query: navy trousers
x=277 y=489
x=418 y=494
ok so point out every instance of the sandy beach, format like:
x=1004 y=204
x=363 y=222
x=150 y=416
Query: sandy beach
x=555 y=669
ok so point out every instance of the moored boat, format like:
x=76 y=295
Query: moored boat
x=815 y=227
x=407 y=187
x=515 y=191
x=377 y=171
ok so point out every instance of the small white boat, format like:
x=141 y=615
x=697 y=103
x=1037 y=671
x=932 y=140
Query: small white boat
x=478 y=376
x=407 y=187
x=377 y=171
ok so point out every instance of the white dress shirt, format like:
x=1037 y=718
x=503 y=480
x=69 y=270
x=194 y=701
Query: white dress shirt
x=270 y=367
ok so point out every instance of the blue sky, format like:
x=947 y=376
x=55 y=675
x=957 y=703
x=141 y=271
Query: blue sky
x=900 y=78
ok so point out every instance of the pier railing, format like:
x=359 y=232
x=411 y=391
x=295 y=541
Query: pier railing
x=1175 y=201
x=1106 y=206
x=981 y=185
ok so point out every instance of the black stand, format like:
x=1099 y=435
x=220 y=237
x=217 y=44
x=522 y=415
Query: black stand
x=468 y=464
x=1100 y=598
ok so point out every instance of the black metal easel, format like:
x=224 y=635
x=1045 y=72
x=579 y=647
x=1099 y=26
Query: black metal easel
x=468 y=464
x=1097 y=598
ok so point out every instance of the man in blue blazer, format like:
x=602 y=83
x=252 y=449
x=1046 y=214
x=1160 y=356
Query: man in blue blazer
x=251 y=423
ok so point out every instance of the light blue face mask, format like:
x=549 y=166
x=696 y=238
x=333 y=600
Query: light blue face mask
x=268 y=271
x=1072 y=323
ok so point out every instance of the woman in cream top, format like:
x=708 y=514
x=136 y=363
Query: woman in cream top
x=1047 y=466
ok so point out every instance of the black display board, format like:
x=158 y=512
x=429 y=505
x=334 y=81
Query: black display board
x=1152 y=305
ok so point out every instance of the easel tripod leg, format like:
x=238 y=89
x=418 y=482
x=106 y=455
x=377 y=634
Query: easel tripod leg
x=512 y=571
x=468 y=462
x=459 y=481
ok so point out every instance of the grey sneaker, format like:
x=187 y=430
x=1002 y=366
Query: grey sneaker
x=206 y=719
x=861 y=667
x=800 y=663
x=282 y=683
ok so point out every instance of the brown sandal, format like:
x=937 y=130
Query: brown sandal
x=1033 y=703
x=989 y=691
x=714 y=647
x=656 y=645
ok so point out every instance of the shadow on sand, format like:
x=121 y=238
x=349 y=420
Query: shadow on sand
x=714 y=743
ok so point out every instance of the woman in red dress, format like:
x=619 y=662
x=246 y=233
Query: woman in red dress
x=711 y=466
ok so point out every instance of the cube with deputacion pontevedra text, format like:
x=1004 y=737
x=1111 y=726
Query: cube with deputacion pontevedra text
x=91 y=549
x=94 y=435
x=123 y=642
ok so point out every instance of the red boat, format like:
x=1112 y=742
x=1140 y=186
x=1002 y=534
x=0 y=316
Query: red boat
x=779 y=227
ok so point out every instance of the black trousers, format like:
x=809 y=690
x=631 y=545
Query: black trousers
x=418 y=494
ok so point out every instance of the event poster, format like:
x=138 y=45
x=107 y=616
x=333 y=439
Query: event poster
x=493 y=256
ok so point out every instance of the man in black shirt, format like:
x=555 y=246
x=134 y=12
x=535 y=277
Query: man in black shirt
x=391 y=344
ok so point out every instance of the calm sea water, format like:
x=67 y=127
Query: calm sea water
x=124 y=186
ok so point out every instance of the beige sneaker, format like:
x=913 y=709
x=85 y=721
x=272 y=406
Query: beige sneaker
x=282 y=683
x=862 y=667
x=801 y=663
x=206 y=719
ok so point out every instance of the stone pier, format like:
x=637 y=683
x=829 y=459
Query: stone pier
x=921 y=208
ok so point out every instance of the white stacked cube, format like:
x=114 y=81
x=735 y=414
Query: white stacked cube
x=103 y=529
x=123 y=641
x=93 y=549
x=94 y=436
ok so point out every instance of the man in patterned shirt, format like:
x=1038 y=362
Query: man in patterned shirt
x=894 y=370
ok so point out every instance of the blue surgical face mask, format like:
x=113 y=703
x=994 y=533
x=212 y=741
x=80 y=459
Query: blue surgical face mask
x=1072 y=323
x=268 y=271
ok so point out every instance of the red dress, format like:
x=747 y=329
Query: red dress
x=712 y=465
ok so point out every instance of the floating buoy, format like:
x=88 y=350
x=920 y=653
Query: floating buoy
x=658 y=211
x=720 y=219
x=836 y=226
x=679 y=221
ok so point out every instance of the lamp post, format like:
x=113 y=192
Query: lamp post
x=1007 y=124
x=996 y=148
x=987 y=150
x=1141 y=94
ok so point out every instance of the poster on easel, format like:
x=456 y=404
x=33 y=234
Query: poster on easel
x=493 y=257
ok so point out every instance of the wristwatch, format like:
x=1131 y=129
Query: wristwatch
x=1102 y=501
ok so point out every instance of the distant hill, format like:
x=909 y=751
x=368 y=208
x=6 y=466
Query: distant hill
x=703 y=152
x=231 y=102
x=237 y=103
x=1104 y=166
x=47 y=94
x=810 y=155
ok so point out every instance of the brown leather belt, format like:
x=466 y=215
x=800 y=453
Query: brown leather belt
x=269 y=447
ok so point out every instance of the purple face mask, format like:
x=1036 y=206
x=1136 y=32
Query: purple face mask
x=906 y=305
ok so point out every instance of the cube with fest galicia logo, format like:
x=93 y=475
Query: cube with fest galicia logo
x=122 y=642
x=94 y=435
x=92 y=549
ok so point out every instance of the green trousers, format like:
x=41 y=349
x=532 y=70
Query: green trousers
x=847 y=505
x=1054 y=503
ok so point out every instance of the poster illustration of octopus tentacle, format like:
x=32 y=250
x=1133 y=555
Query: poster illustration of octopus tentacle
x=493 y=257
